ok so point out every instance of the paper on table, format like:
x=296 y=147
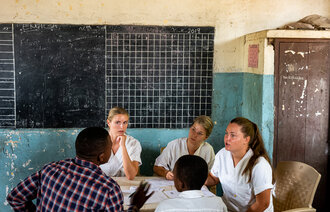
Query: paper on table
x=127 y=194
x=156 y=183
x=133 y=188
x=157 y=197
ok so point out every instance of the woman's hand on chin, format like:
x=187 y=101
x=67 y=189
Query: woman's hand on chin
x=121 y=139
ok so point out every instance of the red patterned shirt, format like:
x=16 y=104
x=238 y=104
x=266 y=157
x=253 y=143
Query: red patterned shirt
x=68 y=185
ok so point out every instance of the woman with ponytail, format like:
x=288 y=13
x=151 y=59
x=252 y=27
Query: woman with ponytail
x=243 y=168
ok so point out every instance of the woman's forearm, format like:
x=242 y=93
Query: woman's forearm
x=262 y=201
x=160 y=171
x=211 y=180
x=131 y=168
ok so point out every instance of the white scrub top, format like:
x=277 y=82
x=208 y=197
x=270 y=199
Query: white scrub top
x=192 y=200
x=177 y=148
x=114 y=167
x=238 y=195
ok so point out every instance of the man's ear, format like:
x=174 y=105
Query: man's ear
x=101 y=158
x=179 y=185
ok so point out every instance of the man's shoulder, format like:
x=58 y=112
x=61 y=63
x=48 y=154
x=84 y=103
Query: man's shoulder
x=89 y=172
x=60 y=163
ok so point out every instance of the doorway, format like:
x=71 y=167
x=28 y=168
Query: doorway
x=301 y=132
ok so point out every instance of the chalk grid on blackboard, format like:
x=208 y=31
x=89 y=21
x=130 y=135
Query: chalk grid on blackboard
x=7 y=77
x=161 y=75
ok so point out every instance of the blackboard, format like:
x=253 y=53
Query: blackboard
x=54 y=76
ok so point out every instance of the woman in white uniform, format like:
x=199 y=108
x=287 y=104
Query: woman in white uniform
x=243 y=168
x=126 y=151
x=195 y=144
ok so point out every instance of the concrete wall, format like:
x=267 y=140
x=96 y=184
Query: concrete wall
x=238 y=90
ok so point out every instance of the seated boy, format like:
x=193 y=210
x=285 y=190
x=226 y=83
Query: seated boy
x=190 y=173
x=76 y=184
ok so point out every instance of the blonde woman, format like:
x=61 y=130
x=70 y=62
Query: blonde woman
x=125 y=156
x=195 y=144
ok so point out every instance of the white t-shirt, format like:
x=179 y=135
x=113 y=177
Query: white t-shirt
x=192 y=200
x=177 y=148
x=114 y=167
x=239 y=195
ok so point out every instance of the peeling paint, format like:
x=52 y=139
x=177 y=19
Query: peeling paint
x=316 y=90
x=290 y=51
x=26 y=163
x=303 y=92
x=290 y=68
x=318 y=113
x=283 y=107
x=302 y=53
x=7 y=191
x=12 y=143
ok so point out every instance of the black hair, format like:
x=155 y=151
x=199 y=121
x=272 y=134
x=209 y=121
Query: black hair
x=91 y=142
x=191 y=170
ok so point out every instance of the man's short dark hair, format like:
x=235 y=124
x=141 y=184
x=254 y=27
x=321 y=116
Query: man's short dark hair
x=91 y=142
x=192 y=170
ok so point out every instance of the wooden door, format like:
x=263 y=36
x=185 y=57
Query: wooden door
x=302 y=106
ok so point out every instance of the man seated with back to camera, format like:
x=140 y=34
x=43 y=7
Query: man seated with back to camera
x=76 y=184
x=190 y=173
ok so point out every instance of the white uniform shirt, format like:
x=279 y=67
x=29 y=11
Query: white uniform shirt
x=114 y=167
x=192 y=200
x=239 y=195
x=177 y=148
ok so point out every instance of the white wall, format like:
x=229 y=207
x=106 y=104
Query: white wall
x=231 y=18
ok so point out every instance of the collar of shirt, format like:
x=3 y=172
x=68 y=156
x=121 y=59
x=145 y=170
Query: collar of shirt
x=87 y=164
x=246 y=158
x=191 y=194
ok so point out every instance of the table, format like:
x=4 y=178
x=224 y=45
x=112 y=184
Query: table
x=127 y=185
x=164 y=189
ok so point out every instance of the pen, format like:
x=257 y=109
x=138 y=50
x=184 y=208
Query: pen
x=131 y=194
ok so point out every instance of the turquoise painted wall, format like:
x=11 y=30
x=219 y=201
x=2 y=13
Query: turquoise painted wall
x=24 y=151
